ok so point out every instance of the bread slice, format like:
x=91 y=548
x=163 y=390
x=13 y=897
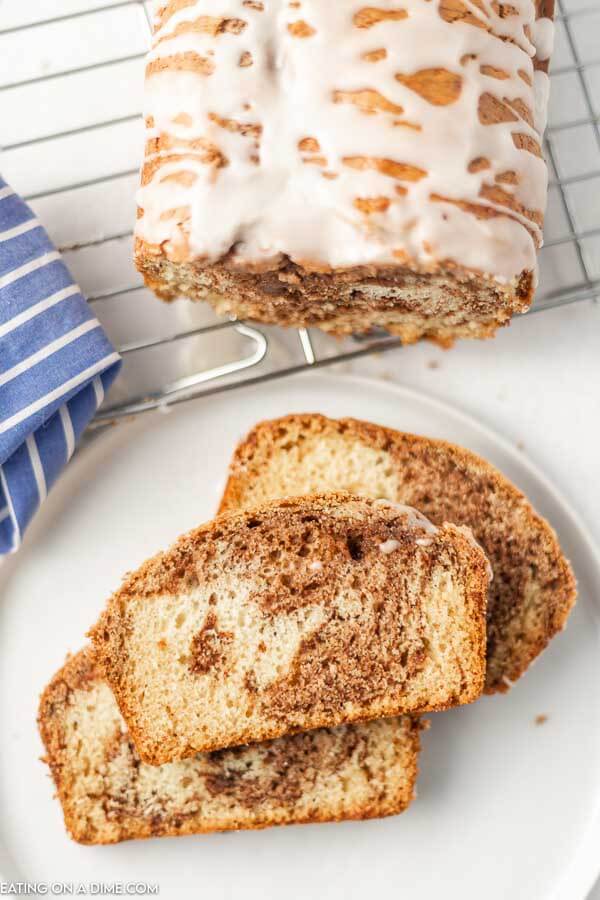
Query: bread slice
x=306 y=613
x=533 y=589
x=109 y=795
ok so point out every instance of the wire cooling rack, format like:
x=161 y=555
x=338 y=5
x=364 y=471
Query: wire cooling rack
x=72 y=134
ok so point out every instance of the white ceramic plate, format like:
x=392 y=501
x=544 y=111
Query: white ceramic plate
x=506 y=808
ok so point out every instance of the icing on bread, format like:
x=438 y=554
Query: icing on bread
x=341 y=134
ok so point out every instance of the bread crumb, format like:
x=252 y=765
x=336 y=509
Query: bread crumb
x=433 y=364
x=520 y=445
x=541 y=719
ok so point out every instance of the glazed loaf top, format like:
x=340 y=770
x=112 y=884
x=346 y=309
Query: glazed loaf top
x=340 y=134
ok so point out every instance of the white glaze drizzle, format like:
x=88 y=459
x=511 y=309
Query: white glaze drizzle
x=284 y=204
x=414 y=518
x=387 y=547
x=542 y=37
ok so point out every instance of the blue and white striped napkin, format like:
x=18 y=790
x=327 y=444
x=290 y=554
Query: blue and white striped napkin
x=55 y=365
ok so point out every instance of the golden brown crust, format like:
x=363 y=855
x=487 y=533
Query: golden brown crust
x=79 y=673
x=447 y=482
x=111 y=807
x=290 y=703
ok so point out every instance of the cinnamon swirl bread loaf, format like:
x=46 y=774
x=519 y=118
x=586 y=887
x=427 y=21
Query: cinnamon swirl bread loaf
x=347 y=166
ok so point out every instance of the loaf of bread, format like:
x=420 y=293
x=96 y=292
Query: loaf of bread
x=347 y=166
x=305 y=613
x=533 y=588
x=109 y=795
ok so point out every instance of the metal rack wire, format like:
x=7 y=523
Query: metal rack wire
x=570 y=260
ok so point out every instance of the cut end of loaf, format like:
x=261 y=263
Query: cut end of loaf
x=303 y=614
x=439 y=305
x=109 y=795
x=533 y=589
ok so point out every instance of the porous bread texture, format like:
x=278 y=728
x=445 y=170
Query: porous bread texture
x=441 y=306
x=533 y=588
x=305 y=613
x=368 y=207
x=108 y=795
